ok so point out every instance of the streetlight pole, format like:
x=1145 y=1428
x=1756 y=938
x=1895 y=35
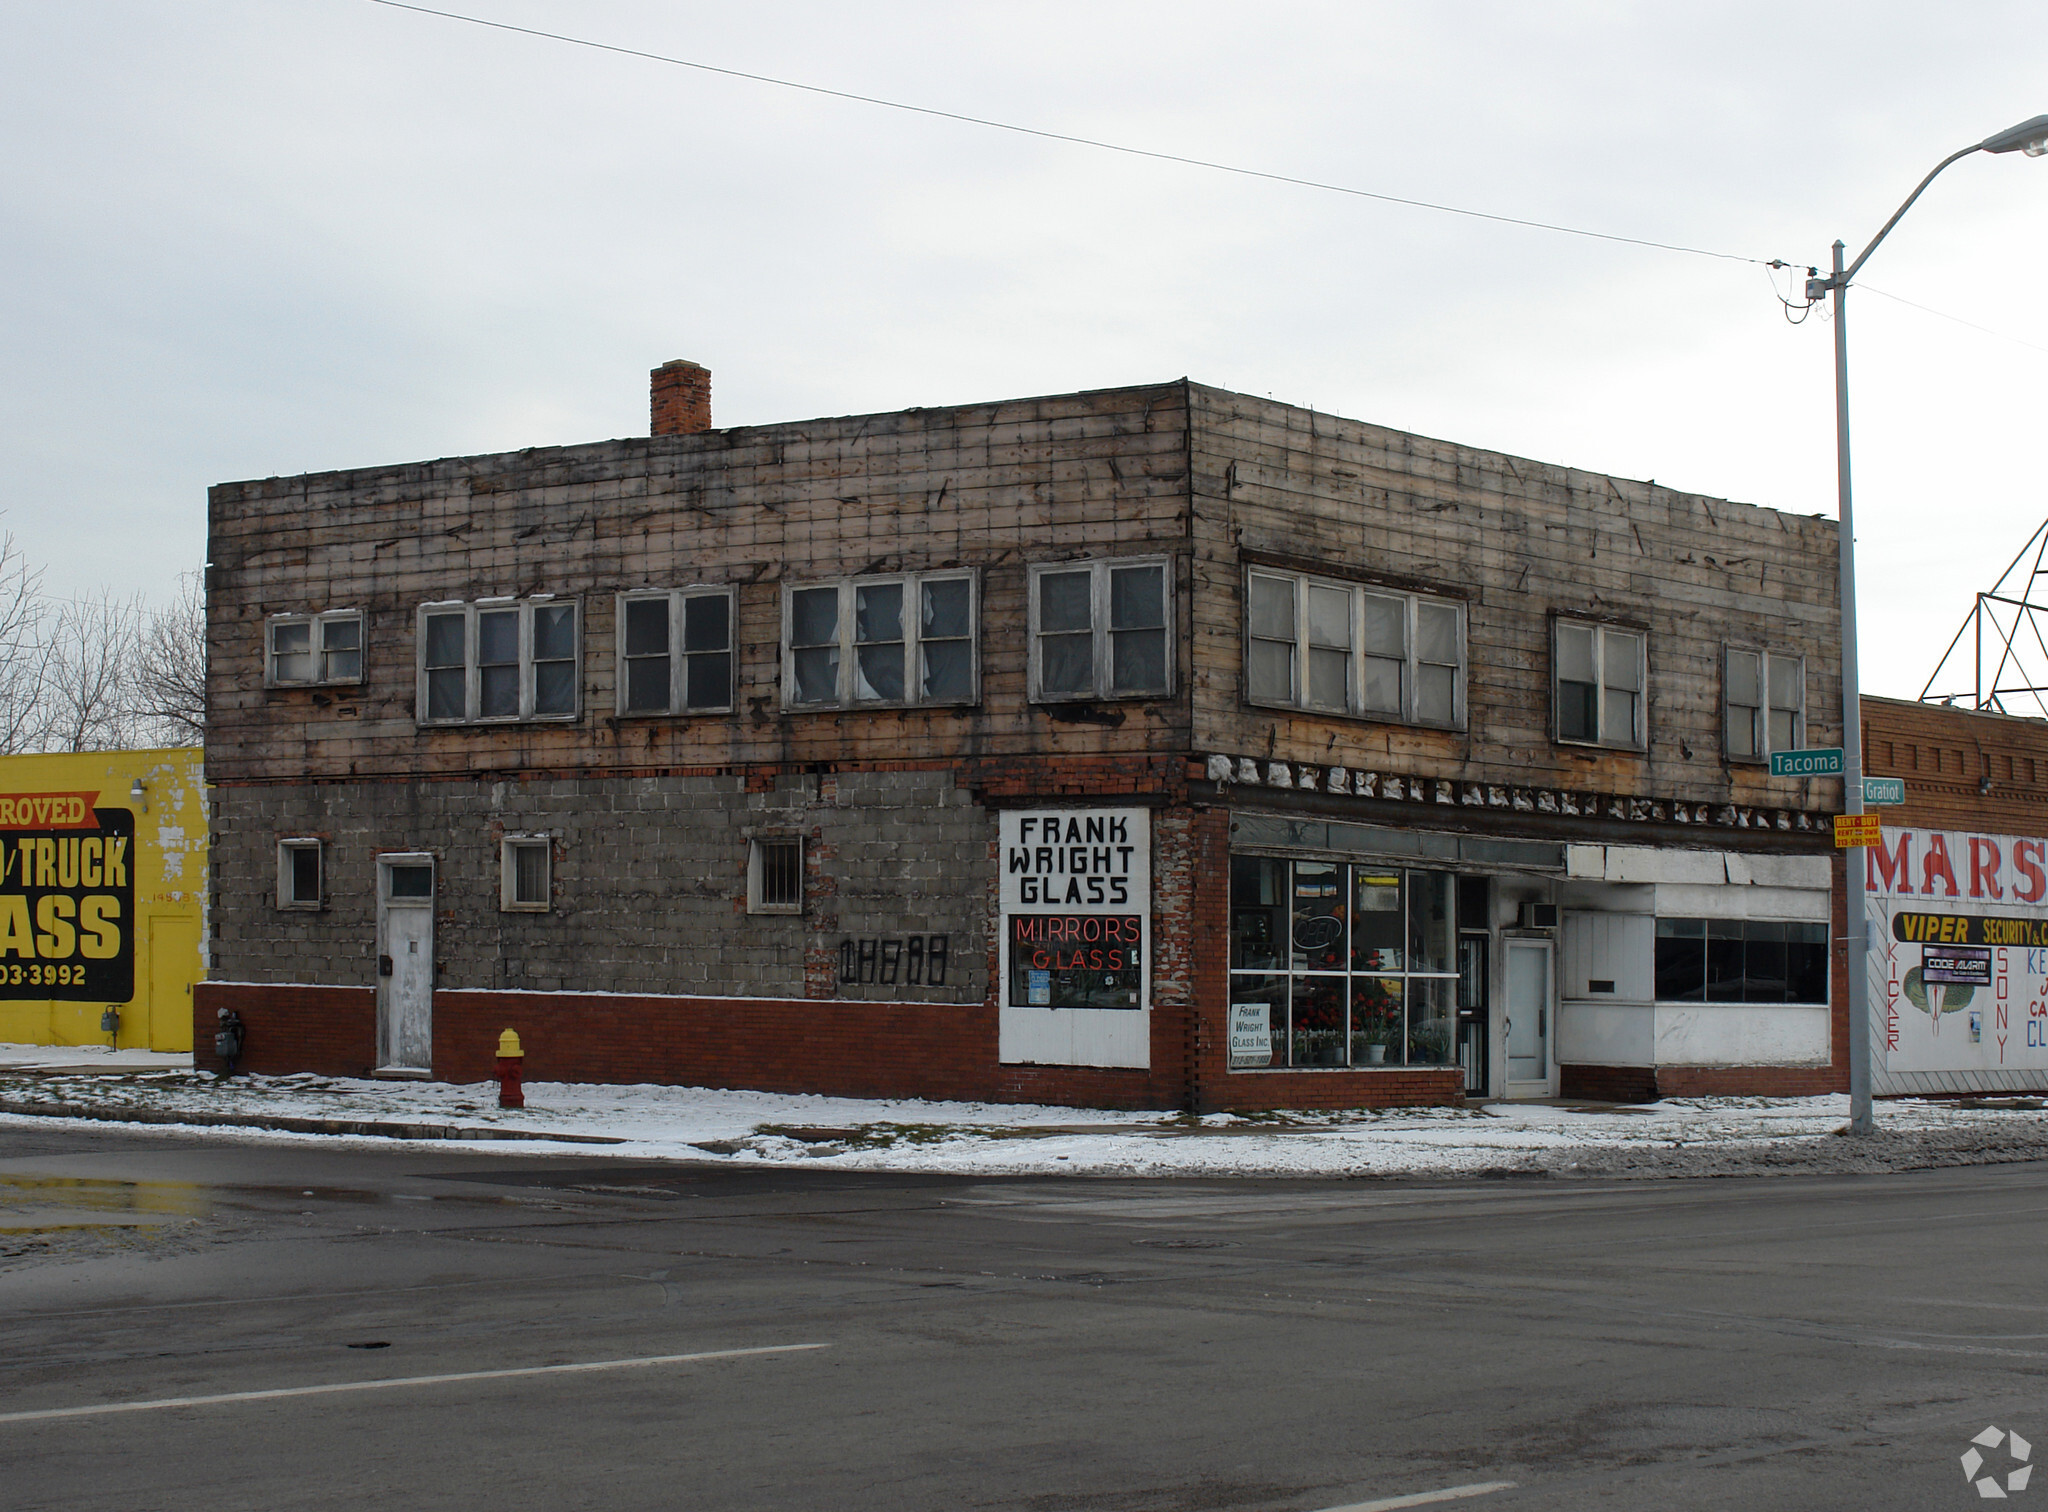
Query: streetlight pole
x=2030 y=137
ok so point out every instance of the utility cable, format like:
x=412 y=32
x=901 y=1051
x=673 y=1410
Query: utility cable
x=1944 y=315
x=1078 y=141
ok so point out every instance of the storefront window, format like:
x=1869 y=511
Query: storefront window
x=1336 y=964
x=1741 y=961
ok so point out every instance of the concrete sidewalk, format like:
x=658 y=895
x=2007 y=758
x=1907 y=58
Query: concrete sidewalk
x=1718 y=1136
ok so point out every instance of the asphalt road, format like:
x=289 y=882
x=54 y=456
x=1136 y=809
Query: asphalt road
x=1043 y=1344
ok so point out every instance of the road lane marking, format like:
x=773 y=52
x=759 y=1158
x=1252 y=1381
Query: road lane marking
x=428 y=1380
x=1426 y=1498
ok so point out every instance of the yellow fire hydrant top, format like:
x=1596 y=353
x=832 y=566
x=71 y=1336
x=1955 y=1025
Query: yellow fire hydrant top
x=508 y=1046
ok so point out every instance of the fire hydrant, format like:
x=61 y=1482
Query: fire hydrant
x=509 y=1057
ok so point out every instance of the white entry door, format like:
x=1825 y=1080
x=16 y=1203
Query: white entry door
x=1529 y=1019
x=405 y=966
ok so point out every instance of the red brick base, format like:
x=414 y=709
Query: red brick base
x=835 y=1048
x=1639 y=1084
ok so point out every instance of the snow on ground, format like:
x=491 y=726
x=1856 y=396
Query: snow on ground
x=96 y=1056
x=1707 y=1136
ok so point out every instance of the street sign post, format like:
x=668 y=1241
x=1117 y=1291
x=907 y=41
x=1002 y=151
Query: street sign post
x=1856 y=829
x=1884 y=790
x=1825 y=762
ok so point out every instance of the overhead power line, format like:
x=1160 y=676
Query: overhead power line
x=1078 y=141
x=1944 y=315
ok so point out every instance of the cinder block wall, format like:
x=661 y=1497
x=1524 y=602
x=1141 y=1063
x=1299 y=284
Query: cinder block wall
x=649 y=884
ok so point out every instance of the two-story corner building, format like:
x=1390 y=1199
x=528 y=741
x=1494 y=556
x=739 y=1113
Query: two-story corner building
x=1157 y=746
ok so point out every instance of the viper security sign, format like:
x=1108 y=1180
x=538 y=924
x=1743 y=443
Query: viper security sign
x=67 y=899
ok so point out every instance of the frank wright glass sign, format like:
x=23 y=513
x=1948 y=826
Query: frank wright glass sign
x=1076 y=899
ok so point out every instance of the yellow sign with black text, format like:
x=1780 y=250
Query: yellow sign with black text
x=102 y=898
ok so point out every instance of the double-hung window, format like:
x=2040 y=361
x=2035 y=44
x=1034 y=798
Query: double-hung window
x=304 y=650
x=1599 y=690
x=675 y=651
x=901 y=640
x=1101 y=630
x=1765 y=697
x=1351 y=648
x=498 y=659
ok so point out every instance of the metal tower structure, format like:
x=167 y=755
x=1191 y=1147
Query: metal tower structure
x=2007 y=648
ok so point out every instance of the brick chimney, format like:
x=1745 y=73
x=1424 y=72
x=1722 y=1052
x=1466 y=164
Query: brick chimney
x=680 y=398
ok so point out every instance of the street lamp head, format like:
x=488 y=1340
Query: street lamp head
x=2030 y=137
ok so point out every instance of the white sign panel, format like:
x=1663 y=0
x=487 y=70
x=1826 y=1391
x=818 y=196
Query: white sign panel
x=1251 y=1035
x=1959 y=951
x=1076 y=944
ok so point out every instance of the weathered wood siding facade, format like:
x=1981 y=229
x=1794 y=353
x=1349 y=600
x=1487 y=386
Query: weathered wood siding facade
x=1518 y=542
x=649 y=815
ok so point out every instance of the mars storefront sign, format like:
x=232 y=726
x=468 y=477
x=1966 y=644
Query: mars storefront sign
x=67 y=898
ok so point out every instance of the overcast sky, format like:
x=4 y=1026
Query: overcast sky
x=243 y=239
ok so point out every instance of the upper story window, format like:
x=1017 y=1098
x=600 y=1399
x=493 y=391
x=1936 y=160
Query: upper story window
x=1101 y=630
x=1600 y=674
x=309 y=649
x=1765 y=700
x=879 y=641
x=675 y=651
x=1347 y=648
x=498 y=659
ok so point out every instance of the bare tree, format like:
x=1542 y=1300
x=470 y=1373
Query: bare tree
x=169 y=692
x=89 y=675
x=24 y=654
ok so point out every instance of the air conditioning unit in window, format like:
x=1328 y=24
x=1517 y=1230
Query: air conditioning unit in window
x=1536 y=916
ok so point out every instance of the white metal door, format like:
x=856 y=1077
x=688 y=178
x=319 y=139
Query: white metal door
x=405 y=965
x=1528 y=1018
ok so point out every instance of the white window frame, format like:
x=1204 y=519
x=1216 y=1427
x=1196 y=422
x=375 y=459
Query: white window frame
x=757 y=879
x=1099 y=570
x=1601 y=630
x=288 y=851
x=1768 y=665
x=913 y=584
x=472 y=682
x=509 y=848
x=678 y=670
x=316 y=637
x=1355 y=705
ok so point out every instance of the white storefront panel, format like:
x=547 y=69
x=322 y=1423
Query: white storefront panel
x=1958 y=980
x=1075 y=947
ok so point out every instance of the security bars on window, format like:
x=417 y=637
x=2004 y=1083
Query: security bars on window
x=1101 y=630
x=775 y=875
x=498 y=659
x=1599 y=689
x=307 y=650
x=880 y=641
x=1347 y=648
x=675 y=652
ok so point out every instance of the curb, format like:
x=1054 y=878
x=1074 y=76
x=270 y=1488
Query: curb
x=373 y=1128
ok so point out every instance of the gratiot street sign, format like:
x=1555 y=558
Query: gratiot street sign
x=1856 y=829
x=1884 y=790
x=1822 y=763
